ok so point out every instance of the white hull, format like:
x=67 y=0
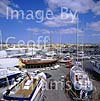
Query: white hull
x=80 y=79
x=96 y=67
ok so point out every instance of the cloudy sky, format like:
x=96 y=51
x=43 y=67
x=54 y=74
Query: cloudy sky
x=44 y=18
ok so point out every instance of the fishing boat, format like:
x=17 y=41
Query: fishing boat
x=81 y=82
x=29 y=88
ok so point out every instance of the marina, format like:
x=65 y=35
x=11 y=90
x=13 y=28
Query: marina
x=58 y=74
x=50 y=50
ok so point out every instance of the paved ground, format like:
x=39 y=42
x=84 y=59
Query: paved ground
x=58 y=93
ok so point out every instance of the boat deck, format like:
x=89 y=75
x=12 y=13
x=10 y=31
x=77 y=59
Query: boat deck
x=26 y=88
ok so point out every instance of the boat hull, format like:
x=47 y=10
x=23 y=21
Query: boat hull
x=39 y=63
x=4 y=82
x=80 y=81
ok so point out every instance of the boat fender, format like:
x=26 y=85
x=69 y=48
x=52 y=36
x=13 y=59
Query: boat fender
x=68 y=85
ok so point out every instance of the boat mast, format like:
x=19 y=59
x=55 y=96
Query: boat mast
x=1 y=40
x=60 y=42
x=32 y=44
x=77 y=37
x=82 y=51
x=50 y=41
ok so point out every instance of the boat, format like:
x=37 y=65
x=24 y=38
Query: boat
x=96 y=66
x=81 y=82
x=3 y=54
x=95 y=61
x=38 y=61
x=29 y=88
x=7 y=75
x=68 y=61
x=51 y=53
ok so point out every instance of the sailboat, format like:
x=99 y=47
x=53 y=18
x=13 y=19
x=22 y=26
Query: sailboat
x=34 y=62
x=80 y=81
x=40 y=60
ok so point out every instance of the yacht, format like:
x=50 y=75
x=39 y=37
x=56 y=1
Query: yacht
x=29 y=88
x=81 y=82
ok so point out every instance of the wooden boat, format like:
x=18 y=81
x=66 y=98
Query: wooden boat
x=28 y=88
x=38 y=61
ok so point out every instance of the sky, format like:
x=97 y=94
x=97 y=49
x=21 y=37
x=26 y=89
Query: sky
x=57 y=19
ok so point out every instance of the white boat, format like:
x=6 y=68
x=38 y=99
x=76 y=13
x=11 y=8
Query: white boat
x=7 y=75
x=3 y=54
x=51 y=53
x=81 y=81
x=29 y=88
x=96 y=67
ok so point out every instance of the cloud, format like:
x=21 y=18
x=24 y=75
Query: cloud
x=96 y=35
x=4 y=4
x=95 y=26
x=71 y=30
x=38 y=31
x=81 y=6
x=96 y=8
x=58 y=21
